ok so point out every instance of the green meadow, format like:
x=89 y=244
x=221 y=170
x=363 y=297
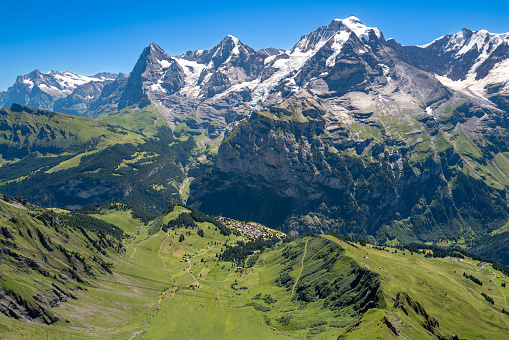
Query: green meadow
x=314 y=287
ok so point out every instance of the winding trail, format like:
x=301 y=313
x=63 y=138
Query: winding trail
x=298 y=277
x=501 y=291
x=158 y=308
x=501 y=315
x=503 y=295
x=140 y=242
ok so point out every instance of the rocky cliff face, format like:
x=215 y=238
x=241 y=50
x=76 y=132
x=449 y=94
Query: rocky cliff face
x=297 y=167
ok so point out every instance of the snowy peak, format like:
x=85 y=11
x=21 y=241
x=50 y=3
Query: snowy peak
x=58 y=84
x=153 y=53
x=155 y=75
x=473 y=62
x=318 y=38
x=228 y=49
x=480 y=41
x=353 y=24
x=44 y=90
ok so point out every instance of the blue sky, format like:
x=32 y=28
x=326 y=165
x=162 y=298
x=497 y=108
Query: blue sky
x=96 y=36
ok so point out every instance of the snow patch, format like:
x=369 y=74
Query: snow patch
x=498 y=74
x=29 y=83
x=428 y=44
x=192 y=71
x=157 y=88
x=337 y=45
x=165 y=63
x=358 y=28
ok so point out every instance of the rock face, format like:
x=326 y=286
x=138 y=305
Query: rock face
x=295 y=169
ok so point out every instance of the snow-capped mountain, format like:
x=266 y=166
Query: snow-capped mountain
x=41 y=90
x=227 y=64
x=475 y=63
x=345 y=59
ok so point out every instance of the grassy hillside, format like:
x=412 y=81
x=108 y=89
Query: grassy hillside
x=429 y=298
x=123 y=215
x=48 y=259
x=68 y=161
x=181 y=276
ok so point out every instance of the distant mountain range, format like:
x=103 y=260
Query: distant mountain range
x=345 y=132
x=232 y=79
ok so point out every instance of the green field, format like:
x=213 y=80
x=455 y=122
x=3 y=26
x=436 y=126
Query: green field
x=317 y=287
x=439 y=286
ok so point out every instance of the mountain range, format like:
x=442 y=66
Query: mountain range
x=345 y=132
x=232 y=79
x=158 y=204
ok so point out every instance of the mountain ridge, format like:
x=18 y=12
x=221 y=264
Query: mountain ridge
x=257 y=79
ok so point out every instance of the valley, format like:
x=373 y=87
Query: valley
x=349 y=187
x=163 y=285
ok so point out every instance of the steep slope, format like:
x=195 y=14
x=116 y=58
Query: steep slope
x=68 y=161
x=409 y=176
x=47 y=258
x=359 y=139
x=472 y=62
x=430 y=298
x=227 y=64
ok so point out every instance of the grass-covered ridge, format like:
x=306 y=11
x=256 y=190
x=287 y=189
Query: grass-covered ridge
x=429 y=298
x=182 y=283
x=67 y=161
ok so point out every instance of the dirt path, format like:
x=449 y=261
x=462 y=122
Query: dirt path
x=298 y=277
x=501 y=291
x=158 y=308
x=216 y=280
x=159 y=252
x=134 y=251
x=501 y=315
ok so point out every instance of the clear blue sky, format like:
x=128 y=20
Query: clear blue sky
x=94 y=36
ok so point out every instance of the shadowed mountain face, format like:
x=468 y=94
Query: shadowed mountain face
x=68 y=161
